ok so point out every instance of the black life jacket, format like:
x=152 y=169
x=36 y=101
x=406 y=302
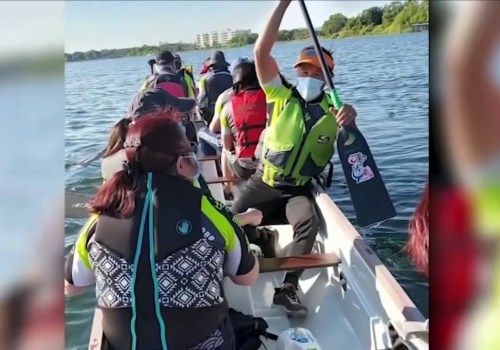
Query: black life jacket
x=216 y=82
x=248 y=330
x=178 y=237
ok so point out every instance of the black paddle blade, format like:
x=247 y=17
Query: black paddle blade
x=370 y=198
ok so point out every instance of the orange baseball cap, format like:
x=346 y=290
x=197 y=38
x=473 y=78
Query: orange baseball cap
x=308 y=55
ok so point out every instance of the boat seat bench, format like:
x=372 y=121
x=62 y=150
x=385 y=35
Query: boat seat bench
x=208 y=158
x=298 y=262
x=218 y=180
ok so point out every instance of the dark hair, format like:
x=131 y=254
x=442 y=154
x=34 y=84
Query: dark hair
x=117 y=137
x=245 y=76
x=160 y=142
x=146 y=102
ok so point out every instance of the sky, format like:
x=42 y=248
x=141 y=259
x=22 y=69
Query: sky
x=31 y=26
x=120 y=24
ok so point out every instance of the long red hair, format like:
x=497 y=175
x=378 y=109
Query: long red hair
x=418 y=244
x=160 y=141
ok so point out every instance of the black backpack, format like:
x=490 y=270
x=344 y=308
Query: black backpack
x=248 y=330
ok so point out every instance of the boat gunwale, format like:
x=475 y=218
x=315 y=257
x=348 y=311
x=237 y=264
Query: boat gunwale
x=390 y=291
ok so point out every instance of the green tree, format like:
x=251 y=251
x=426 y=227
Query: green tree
x=372 y=16
x=334 y=24
x=391 y=11
x=284 y=35
x=243 y=39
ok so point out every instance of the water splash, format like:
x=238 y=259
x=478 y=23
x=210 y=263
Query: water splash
x=370 y=230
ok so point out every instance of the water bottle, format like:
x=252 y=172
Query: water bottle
x=297 y=339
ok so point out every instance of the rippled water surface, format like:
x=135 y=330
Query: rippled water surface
x=385 y=78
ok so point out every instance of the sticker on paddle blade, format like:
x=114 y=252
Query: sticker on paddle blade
x=359 y=172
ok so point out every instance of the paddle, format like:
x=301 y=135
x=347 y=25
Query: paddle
x=75 y=205
x=151 y=63
x=370 y=198
x=90 y=159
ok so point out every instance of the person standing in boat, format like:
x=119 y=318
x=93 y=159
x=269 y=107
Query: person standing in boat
x=243 y=118
x=297 y=145
x=161 y=248
x=210 y=137
x=215 y=82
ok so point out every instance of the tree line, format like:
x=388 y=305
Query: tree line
x=143 y=50
x=283 y=35
x=397 y=17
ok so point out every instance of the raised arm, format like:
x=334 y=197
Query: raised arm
x=471 y=95
x=266 y=66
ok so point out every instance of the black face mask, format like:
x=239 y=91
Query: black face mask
x=178 y=65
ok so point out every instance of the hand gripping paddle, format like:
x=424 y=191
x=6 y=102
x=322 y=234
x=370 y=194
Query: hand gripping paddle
x=370 y=198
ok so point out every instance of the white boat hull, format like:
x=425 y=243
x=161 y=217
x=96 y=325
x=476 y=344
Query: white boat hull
x=350 y=305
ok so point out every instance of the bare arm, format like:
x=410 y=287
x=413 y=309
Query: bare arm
x=227 y=142
x=249 y=278
x=215 y=124
x=472 y=99
x=266 y=66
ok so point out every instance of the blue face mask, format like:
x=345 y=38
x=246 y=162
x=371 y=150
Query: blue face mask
x=309 y=88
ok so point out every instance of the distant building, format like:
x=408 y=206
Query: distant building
x=420 y=27
x=218 y=37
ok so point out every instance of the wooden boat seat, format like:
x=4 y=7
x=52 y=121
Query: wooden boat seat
x=208 y=158
x=298 y=262
x=219 y=180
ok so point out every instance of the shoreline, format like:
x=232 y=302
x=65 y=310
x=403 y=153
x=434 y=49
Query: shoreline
x=234 y=47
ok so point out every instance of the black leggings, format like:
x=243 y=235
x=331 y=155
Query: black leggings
x=299 y=211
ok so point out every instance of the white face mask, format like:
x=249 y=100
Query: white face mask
x=196 y=176
x=310 y=88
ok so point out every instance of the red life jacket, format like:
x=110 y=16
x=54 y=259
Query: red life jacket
x=249 y=117
x=171 y=83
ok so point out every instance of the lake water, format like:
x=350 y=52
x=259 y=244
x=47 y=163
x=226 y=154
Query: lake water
x=386 y=78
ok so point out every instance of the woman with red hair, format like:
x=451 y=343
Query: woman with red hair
x=418 y=244
x=161 y=248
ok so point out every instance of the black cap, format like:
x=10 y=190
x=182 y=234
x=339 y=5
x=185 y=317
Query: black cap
x=155 y=100
x=218 y=59
x=164 y=57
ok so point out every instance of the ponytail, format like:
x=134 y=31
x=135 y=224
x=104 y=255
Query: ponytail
x=117 y=137
x=116 y=197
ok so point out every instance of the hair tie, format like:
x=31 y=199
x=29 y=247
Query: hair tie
x=128 y=168
x=132 y=143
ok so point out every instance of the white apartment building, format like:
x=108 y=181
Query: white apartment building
x=220 y=37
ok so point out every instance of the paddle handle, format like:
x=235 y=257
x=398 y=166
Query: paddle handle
x=328 y=78
x=335 y=99
x=151 y=63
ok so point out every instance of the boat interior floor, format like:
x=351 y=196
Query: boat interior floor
x=319 y=290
